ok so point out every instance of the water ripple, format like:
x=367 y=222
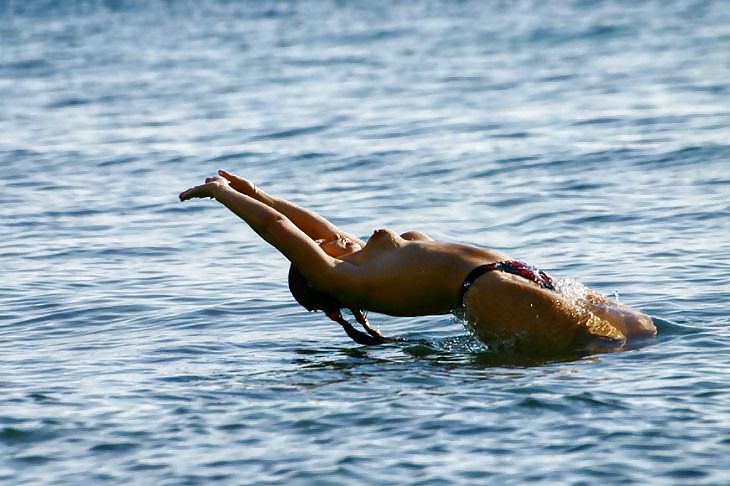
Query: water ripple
x=145 y=340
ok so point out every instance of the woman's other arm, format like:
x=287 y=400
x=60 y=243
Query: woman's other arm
x=314 y=225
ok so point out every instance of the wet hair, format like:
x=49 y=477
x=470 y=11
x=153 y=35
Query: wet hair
x=314 y=299
x=307 y=296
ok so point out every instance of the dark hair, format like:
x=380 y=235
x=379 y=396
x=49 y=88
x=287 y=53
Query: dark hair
x=314 y=299
x=309 y=297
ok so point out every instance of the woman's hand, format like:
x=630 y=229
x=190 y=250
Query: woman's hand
x=212 y=187
x=244 y=186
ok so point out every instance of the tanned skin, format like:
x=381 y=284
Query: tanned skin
x=412 y=275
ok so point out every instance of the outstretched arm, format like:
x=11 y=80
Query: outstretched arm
x=313 y=224
x=326 y=273
x=337 y=277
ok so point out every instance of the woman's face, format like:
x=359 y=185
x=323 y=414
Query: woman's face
x=339 y=246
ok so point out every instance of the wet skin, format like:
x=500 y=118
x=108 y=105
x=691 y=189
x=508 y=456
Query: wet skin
x=413 y=275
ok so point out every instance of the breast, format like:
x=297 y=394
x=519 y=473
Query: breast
x=384 y=238
x=384 y=233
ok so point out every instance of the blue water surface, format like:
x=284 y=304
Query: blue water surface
x=144 y=341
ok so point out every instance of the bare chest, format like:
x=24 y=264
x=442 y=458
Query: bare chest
x=415 y=278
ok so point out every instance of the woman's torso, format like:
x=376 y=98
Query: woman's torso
x=408 y=277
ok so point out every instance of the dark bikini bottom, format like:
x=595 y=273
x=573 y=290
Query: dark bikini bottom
x=514 y=267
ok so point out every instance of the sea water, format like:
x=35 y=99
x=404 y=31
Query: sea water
x=145 y=341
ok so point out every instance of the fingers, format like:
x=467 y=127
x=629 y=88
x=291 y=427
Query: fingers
x=204 y=190
x=185 y=195
x=197 y=191
x=228 y=175
x=234 y=179
x=238 y=183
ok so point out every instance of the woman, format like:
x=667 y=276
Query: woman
x=508 y=304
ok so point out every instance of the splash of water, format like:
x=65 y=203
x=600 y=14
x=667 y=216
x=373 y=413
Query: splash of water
x=572 y=289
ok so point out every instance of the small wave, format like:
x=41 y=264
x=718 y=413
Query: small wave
x=67 y=103
x=16 y=435
x=290 y=133
x=31 y=68
x=114 y=447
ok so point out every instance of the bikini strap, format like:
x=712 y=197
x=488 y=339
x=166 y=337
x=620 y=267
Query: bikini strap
x=472 y=276
x=508 y=266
